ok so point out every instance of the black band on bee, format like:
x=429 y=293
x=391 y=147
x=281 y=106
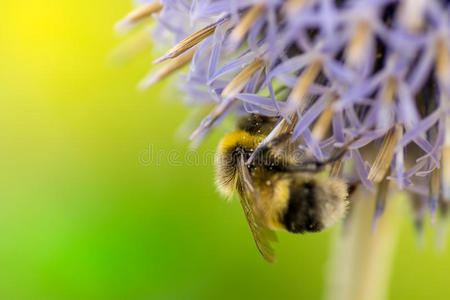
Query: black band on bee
x=302 y=213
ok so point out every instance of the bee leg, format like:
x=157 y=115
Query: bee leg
x=264 y=155
x=315 y=165
x=277 y=141
x=307 y=167
x=337 y=156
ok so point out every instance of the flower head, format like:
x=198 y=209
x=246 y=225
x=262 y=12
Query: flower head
x=370 y=74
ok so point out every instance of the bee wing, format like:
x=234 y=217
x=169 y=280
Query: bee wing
x=249 y=201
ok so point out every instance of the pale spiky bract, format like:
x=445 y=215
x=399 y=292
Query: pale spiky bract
x=334 y=71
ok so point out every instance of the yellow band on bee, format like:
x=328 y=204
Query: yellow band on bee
x=240 y=137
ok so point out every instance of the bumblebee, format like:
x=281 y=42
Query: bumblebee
x=278 y=189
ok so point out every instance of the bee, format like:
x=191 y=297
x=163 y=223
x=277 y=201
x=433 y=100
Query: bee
x=277 y=190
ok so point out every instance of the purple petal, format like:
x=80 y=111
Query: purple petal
x=360 y=166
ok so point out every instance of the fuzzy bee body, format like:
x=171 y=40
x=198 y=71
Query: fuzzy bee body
x=274 y=194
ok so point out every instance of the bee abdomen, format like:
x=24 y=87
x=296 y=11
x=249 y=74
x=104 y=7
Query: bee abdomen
x=302 y=212
x=314 y=204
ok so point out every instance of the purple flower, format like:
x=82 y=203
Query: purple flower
x=380 y=69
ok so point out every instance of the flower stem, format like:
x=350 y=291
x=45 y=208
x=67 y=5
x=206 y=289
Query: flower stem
x=360 y=263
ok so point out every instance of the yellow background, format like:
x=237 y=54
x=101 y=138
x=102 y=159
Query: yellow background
x=82 y=218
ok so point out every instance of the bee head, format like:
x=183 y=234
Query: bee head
x=314 y=204
x=231 y=148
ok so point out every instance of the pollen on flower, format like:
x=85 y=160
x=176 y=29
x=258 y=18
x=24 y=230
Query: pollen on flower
x=385 y=154
x=248 y=19
x=241 y=79
x=187 y=43
x=167 y=70
x=139 y=14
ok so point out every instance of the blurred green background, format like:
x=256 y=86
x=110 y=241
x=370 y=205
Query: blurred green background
x=82 y=218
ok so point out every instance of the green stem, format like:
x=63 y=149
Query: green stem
x=360 y=263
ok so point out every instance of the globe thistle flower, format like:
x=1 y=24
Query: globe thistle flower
x=372 y=74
